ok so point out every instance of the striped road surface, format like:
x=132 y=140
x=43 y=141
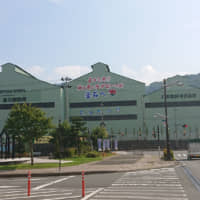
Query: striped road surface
x=154 y=184
x=44 y=188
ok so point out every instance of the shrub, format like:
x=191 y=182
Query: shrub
x=165 y=154
x=84 y=148
x=92 y=154
x=70 y=152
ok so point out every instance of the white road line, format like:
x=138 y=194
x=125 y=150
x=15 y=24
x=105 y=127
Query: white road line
x=92 y=194
x=3 y=187
x=138 y=197
x=53 y=182
x=32 y=193
x=33 y=196
x=120 y=189
x=11 y=191
x=71 y=197
x=144 y=184
x=144 y=194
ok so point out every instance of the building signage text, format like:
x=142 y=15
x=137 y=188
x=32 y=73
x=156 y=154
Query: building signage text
x=174 y=96
x=12 y=91
x=101 y=83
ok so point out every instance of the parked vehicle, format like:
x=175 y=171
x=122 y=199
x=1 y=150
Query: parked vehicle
x=193 y=150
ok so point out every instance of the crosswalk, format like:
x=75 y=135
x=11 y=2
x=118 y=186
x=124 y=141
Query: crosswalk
x=154 y=184
x=17 y=193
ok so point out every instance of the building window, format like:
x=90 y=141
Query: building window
x=109 y=117
x=105 y=104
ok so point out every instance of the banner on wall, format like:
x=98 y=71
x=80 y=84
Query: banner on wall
x=116 y=144
x=108 y=144
x=99 y=144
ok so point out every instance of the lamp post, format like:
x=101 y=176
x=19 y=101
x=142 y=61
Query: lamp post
x=66 y=85
x=178 y=83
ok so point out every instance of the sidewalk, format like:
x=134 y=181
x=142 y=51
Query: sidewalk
x=147 y=161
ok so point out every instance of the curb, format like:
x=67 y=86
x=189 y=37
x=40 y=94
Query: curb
x=10 y=175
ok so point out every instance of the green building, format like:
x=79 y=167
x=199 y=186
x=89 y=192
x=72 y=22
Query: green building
x=183 y=107
x=104 y=98
x=18 y=86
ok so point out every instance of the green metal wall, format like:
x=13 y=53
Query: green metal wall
x=18 y=86
x=183 y=106
x=111 y=93
x=121 y=103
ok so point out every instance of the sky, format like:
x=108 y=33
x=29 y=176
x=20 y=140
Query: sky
x=146 y=40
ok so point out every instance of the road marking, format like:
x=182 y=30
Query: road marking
x=71 y=197
x=10 y=195
x=92 y=194
x=3 y=187
x=161 y=194
x=33 y=196
x=53 y=182
x=156 y=184
x=144 y=184
x=137 y=197
x=11 y=191
x=132 y=189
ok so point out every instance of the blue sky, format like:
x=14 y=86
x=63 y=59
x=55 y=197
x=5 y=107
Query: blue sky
x=146 y=40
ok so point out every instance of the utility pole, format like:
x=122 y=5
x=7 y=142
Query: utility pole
x=166 y=120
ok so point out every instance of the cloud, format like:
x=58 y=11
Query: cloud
x=36 y=71
x=146 y=74
x=54 y=75
x=71 y=71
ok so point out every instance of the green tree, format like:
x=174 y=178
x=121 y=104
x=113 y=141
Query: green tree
x=61 y=137
x=98 y=132
x=79 y=132
x=27 y=123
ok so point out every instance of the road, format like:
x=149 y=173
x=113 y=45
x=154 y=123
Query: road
x=174 y=183
x=189 y=174
x=58 y=187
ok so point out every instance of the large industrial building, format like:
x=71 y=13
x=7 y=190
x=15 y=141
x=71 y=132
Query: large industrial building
x=103 y=98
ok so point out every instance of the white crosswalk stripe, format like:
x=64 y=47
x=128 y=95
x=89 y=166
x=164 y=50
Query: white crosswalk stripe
x=42 y=194
x=155 y=184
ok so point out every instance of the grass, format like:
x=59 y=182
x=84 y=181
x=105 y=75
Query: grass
x=76 y=161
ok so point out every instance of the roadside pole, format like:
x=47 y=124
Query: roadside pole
x=83 y=184
x=29 y=183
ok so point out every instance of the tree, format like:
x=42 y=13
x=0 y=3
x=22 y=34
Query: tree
x=61 y=137
x=79 y=132
x=27 y=123
x=98 y=132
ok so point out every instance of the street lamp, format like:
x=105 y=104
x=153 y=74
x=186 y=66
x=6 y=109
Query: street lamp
x=66 y=85
x=166 y=117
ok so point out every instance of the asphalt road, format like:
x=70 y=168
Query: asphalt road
x=175 y=183
x=189 y=174
x=59 y=187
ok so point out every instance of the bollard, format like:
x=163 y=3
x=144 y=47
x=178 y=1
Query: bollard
x=29 y=183
x=83 y=184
